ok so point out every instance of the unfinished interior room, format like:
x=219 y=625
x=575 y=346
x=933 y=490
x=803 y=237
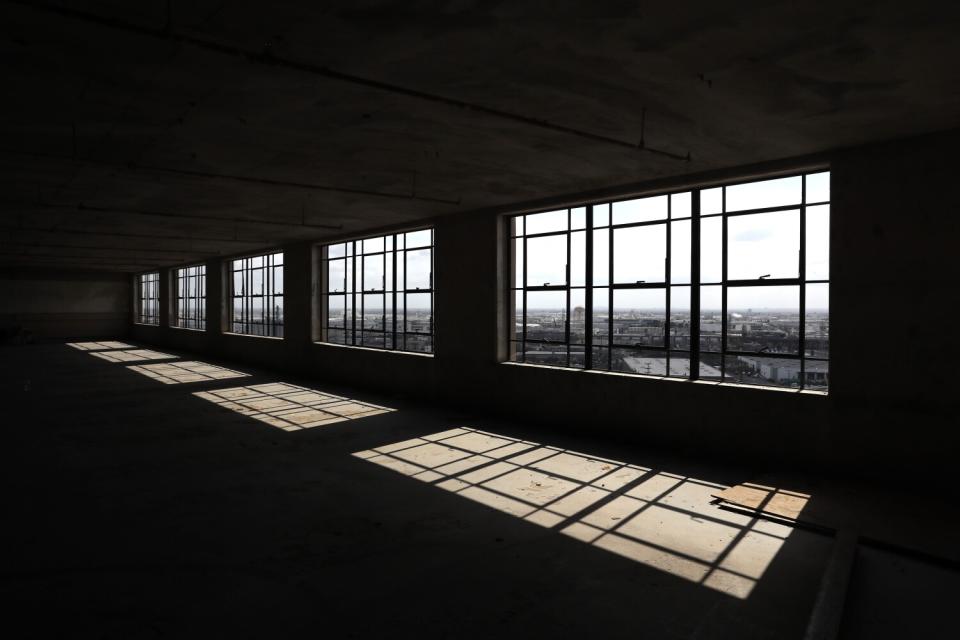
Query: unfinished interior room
x=382 y=319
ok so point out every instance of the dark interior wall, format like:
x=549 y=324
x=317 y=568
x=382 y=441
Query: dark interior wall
x=893 y=269
x=64 y=304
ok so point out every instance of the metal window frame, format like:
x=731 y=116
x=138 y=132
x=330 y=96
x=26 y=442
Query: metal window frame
x=391 y=332
x=148 y=298
x=190 y=309
x=269 y=324
x=599 y=348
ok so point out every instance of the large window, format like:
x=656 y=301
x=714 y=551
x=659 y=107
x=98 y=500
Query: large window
x=148 y=298
x=257 y=294
x=191 y=300
x=379 y=292
x=728 y=283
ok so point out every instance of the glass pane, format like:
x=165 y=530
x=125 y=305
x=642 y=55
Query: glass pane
x=710 y=366
x=256 y=282
x=419 y=344
x=336 y=250
x=680 y=318
x=277 y=258
x=711 y=245
x=680 y=205
x=518 y=315
x=601 y=256
x=518 y=262
x=763 y=319
x=817 y=375
x=256 y=309
x=374 y=340
x=336 y=336
x=639 y=316
x=601 y=358
x=763 y=245
x=649 y=363
x=547 y=260
x=578 y=218
x=817 y=321
x=578 y=258
x=277 y=313
x=680 y=252
x=711 y=317
x=679 y=365
x=640 y=210
x=373 y=273
x=601 y=215
x=278 y=279
x=818 y=242
x=774 y=372
x=711 y=201
x=373 y=245
x=578 y=314
x=766 y=193
x=419 y=312
x=546 y=315
x=335 y=311
x=818 y=187
x=419 y=239
x=639 y=254
x=257 y=262
x=418 y=268
x=373 y=311
x=601 y=316
x=546 y=222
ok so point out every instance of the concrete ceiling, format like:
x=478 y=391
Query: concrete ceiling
x=150 y=133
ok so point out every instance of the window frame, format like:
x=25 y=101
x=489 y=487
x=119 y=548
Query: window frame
x=196 y=304
x=271 y=327
x=147 y=287
x=516 y=337
x=354 y=293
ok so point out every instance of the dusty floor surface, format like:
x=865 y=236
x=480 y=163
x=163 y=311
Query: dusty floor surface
x=150 y=496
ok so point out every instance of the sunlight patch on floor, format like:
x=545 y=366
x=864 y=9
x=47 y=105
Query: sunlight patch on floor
x=97 y=346
x=290 y=407
x=133 y=355
x=181 y=372
x=662 y=520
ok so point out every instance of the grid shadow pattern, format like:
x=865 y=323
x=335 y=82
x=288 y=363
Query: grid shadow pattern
x=132 y=355
x=662 y=520
x=291 y=407
x=100 y=346
x=189 y=371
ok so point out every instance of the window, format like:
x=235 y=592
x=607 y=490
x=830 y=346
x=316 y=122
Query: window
x=148 y=298
x=379 y=292
x=191 y=300
x=728 y=283
x=256 y=288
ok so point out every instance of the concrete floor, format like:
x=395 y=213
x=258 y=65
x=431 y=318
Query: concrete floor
x=151 y=496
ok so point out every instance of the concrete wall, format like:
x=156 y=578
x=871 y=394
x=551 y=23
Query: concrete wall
x=889 y=409
x=59 y=304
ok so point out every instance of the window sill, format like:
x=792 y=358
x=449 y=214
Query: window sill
x=710 y=383
x=250 y=335
x=374 y=349
x=147 y=324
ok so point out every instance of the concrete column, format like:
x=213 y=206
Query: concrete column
x=297 y=294
x=216 y=298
